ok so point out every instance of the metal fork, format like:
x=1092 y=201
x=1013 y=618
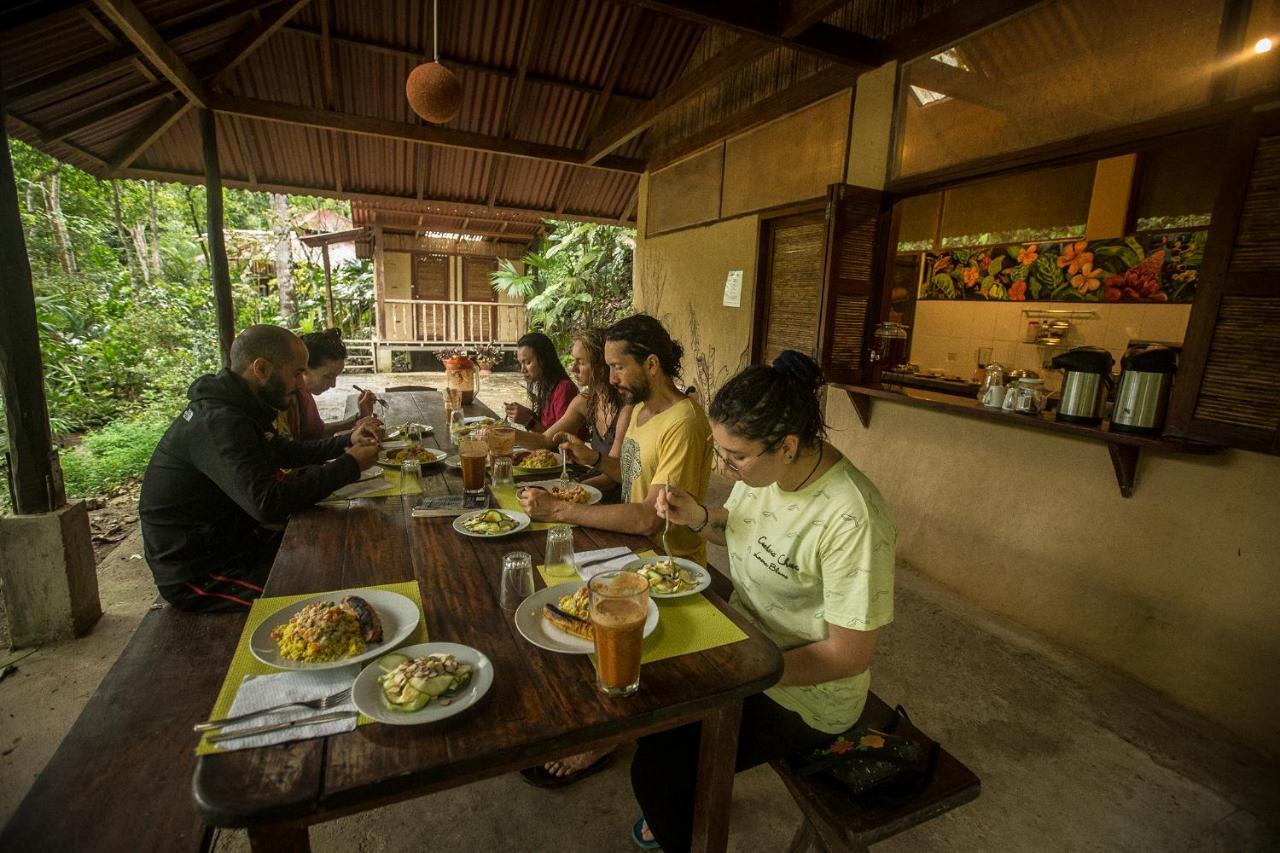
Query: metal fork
x=564 y=468
x=320 y=704
x=666 y=524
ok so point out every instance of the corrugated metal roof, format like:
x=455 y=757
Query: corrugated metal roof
x=569 y=46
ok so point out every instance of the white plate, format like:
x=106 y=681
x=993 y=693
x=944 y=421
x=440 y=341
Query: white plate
x=522 y=521
x=367 y=693
x=594 y=496
x=399 y=616
x=454 y=461
x=704 y=576
x=436 y=456
x=544 y=635
x=479 y=419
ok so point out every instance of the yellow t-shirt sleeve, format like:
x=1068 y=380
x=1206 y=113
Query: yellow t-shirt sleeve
x=857 y=574
x=682 y=457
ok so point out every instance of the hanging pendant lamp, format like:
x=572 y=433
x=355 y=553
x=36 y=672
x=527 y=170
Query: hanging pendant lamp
x=433 y=90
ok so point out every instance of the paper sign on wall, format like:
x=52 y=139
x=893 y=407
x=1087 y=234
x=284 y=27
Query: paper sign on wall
x=733 y=289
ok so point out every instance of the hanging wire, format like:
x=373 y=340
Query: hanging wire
x=435 y=29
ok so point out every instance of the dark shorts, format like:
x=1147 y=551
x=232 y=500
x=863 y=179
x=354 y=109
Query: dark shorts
x=235 y=585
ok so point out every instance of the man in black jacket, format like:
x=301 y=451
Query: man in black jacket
x=215 y=481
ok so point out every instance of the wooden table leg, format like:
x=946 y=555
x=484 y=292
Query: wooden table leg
x=284 y=838
x=714 y=796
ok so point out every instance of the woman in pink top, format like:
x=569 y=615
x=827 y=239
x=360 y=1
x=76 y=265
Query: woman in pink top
x=550 y=388
x=326 y=358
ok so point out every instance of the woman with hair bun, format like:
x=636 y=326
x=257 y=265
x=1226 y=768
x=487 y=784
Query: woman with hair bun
x=811 y=550
x=326 y=359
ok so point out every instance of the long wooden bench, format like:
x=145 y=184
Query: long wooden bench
x=121 y=778
x=836 y=821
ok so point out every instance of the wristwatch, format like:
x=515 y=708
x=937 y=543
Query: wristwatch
x=705 y=519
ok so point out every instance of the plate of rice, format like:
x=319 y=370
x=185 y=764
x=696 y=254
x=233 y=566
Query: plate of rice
x=334 y=629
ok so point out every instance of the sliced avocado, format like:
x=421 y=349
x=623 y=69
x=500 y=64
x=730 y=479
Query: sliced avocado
x=386 y=663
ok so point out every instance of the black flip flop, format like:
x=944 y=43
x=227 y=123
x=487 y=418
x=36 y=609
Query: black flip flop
x=540 y=777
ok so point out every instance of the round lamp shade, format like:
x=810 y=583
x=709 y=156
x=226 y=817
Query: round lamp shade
x=433 y=92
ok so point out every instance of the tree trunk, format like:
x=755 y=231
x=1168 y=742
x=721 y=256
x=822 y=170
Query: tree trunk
x=284 y=259
x=122 y=234
x=155 y=228
x=53 y=204
x=195 y=221
x=140 y=247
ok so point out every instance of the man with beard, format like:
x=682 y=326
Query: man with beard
x=667 y=440
x=216 y=483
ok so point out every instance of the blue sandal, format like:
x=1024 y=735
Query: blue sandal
x=638 y=838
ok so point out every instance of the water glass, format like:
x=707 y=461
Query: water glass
x=410 y=475
x=517 y=579
x=502 y=474
x=560 y=562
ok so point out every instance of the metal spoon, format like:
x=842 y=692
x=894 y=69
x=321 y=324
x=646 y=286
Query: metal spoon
x=666 y=524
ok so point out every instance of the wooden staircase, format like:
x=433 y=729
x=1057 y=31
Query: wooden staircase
x=359 y=356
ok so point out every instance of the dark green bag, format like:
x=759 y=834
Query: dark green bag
x=868 y=760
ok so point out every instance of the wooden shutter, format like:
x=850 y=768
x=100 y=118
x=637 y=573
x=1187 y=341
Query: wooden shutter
x=431 y=283
x=791 y=274
x=1228 y=386
x=858 y=236
x=481 y=323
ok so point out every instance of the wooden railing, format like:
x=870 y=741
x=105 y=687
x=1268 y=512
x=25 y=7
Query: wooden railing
x=441 y=322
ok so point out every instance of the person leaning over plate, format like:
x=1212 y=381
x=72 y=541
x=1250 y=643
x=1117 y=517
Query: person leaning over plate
x=811 y=550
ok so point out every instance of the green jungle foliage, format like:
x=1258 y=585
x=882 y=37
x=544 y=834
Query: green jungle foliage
x=125 y=308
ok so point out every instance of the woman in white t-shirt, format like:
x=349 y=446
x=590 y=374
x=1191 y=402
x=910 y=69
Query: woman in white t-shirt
x=811 y=549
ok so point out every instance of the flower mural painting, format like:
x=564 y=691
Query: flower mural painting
x=1143 y=268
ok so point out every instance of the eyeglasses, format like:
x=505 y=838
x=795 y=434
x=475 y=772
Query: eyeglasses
x=730 y=465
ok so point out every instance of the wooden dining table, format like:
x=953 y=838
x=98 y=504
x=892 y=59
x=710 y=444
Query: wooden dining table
x=542 y=705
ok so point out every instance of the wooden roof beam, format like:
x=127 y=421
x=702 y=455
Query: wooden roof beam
x=456 y=64
x=695 y=80
x=934 y=33
x=761 y=21
x=138 y=30
x=796 y=16
x=429 y=135
x=148 y=132
x=254 y=36
x=328 y=192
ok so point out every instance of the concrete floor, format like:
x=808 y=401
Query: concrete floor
x=1072 y=757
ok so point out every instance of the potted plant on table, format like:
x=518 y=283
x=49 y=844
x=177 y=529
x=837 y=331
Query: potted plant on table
x=487 y=357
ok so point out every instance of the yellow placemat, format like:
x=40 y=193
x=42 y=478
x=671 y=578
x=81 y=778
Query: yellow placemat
x=392 y=476
x=506 y=498
x=244 y=663
x=685 y=625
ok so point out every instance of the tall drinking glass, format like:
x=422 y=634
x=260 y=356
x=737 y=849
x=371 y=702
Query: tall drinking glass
x=619 y=605
x=410 y=475
x=560 y=562
x=502 y=440
x=473 y=454
x=502 y=473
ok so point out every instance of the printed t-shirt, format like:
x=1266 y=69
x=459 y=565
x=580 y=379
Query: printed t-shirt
x=671 y=447
x=800 y=560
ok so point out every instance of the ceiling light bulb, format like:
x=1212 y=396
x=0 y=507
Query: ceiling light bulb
x=1262 y=45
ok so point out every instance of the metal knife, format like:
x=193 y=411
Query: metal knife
x=275 y=727
x=600 y=560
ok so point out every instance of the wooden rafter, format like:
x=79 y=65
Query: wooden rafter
x=146 y=133
x=760 y=21
x=367 y=126
x=107 y=109
x=328 y=192
x=533 y=26
x=929 y=35
x=254 y=36
x=456 y=64
x=695 y=80
x=138 y=30
x=32 y=131
x=796 y=16
x=815 y=87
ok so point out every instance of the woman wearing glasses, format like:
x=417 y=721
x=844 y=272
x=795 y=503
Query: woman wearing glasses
x=811 y=549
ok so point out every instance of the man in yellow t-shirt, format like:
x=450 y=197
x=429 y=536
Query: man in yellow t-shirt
x=667 y=441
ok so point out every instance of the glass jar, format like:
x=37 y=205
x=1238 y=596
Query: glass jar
x=889 y=345
x=460 y=373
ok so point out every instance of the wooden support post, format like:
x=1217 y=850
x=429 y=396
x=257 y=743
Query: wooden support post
x=35 y=478
x=219 y=272
x=328 y=289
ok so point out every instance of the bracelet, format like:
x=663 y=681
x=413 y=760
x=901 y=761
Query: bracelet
x=705 y=521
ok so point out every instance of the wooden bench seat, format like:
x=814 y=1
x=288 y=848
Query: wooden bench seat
x=838 y=822
x=121 y=778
